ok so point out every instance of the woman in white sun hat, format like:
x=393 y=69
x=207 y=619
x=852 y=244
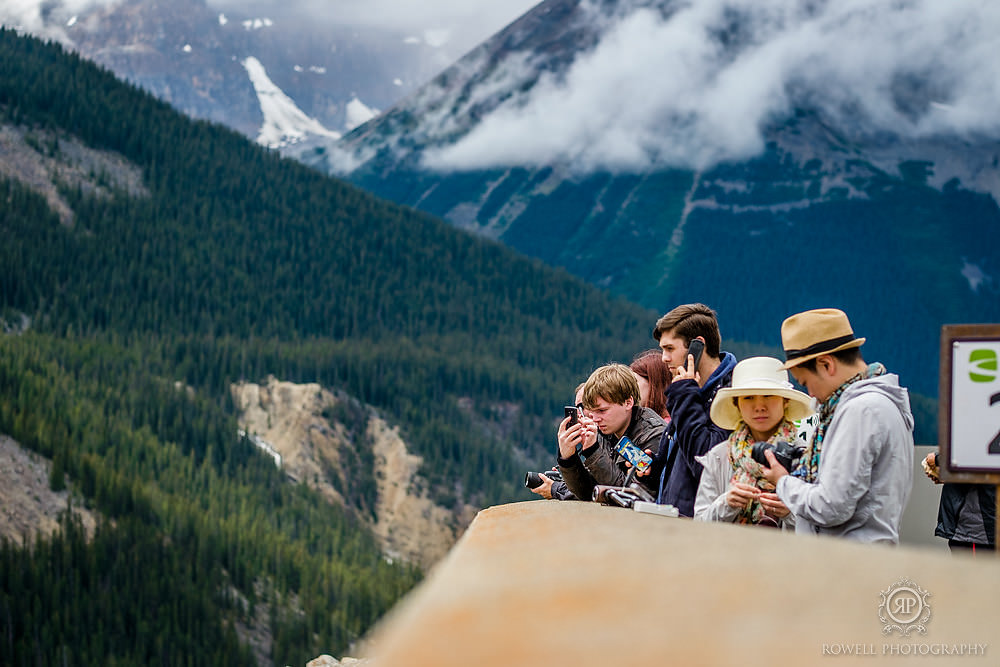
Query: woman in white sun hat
x=760 y=406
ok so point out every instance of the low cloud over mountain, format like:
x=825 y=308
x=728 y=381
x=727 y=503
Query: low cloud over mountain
x=693 y=84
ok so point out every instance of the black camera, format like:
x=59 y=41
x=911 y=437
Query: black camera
x=785 y=452
x=533 y=480
x=623 y=496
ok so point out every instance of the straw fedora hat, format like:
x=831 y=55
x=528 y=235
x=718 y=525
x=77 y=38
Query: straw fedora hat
x=810 y=334
x=758 y=376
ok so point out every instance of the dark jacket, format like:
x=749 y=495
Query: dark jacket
x=601 y=464
x=560 y=491
x=691 y=433
x=967 y=513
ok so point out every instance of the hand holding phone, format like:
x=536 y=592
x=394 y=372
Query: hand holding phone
x=569 y=444
x=639 y=459
x=695 y=348
x=573 y=413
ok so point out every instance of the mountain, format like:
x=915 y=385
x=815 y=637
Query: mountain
x=275 y=76
x=763 y=159
x=172 y=295
x=618 y=139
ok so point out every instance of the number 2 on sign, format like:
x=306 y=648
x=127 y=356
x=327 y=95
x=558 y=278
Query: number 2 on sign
x=994 y=447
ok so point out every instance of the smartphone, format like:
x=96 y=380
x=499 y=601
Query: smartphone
x=573 y=413
x=639 y=459
x=696 y=347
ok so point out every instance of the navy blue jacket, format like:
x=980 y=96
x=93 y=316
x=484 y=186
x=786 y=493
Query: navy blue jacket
x=691 y=433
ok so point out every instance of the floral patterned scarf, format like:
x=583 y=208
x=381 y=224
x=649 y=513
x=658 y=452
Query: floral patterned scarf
x=748 y=471
x=808 y=466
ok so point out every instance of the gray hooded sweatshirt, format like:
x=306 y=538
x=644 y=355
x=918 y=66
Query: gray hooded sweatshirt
x=865 y=469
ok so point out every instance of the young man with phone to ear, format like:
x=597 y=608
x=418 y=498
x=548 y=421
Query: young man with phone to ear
x=690 y=341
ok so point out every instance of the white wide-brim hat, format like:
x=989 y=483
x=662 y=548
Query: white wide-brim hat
x=759 y=376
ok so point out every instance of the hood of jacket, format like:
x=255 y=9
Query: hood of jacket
x=720 y=377
x=887 y=385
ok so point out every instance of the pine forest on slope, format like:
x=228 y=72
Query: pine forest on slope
x=131 y=309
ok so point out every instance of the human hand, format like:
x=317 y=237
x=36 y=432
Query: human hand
x=687 y=371
x=648 y=469
x=774 y=470
x=740 y=495
x=773 y=506
x=545 y=488
x=589 y=434
x=569 y=437
x=931 y=468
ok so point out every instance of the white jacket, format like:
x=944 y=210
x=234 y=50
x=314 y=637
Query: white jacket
x=865 y=467
x=710 y=503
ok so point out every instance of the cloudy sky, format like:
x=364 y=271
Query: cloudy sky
x=700 y=86
x=479 y=17
x=460 y=23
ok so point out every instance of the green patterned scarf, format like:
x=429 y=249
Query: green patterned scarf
x=808 y=466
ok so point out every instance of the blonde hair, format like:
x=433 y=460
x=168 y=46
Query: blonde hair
x=615 y=383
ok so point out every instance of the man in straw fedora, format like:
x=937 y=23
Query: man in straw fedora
x=854 y=479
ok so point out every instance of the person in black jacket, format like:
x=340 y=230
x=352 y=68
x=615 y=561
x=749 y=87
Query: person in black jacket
x=691 y=431
x=967 y=513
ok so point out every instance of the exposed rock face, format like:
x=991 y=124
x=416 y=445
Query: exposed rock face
x=39 y=158
x=29 y=506
x=329 y=441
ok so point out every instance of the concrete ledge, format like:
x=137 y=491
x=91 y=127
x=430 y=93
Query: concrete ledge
x=572 y=583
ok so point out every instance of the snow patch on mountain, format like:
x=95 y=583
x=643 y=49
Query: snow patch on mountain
x=284 y=123
x=358 y=114
x=257 y=24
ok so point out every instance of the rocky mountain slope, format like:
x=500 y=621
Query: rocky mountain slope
x=326 y=439
x=30 y=506
x=201 y=59
x=295 y=422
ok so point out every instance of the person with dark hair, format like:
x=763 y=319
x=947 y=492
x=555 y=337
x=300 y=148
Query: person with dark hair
x=691 y=432
x=761 y=406
x=855 y=477
x=654 y=377
x=611 y=404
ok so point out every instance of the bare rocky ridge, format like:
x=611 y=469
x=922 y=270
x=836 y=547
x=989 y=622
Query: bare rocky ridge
x=42 y=160
x=290 y=419
x=29 y=507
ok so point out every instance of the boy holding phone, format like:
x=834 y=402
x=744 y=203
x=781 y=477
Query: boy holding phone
x=690 y=341
x=612 y=411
